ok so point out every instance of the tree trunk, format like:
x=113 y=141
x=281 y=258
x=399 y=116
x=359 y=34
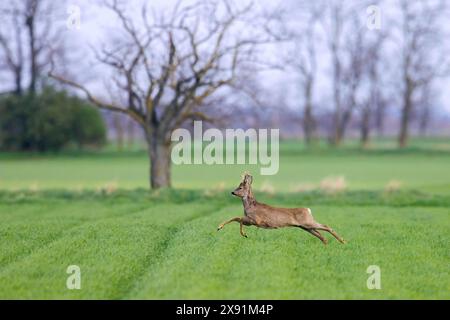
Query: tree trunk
x=336 y=135
x=342 y=121
x=406 y=115
x=337 y=138
x=379 y=117
x=33 y=54
x=18 y=81
x=373 y=105
x=424 y=121
x=159 y=154
x=345 y=121
x=365 y=128
x=309 y=123
x=308 y=126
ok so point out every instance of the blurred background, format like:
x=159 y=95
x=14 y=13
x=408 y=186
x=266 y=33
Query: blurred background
x=91 y=90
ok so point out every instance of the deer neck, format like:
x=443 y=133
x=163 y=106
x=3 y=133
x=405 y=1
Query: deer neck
x=249 y=200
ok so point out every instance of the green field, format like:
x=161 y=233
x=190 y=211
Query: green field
x=425 y=167
x=93 y=210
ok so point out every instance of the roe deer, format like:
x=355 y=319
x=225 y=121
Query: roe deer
x=265 y=216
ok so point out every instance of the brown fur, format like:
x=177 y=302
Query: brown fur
x=265 y=216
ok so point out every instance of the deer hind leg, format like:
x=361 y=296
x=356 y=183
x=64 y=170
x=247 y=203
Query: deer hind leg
x=326 y=228
x=316 y=234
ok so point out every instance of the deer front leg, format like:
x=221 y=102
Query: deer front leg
x=241 y=225
x=241 y=228
x=238 y=219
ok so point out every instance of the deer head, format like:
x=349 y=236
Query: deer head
x=245 y=187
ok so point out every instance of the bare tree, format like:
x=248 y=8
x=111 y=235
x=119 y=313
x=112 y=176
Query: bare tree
x=28 y=41
x=346 y=31
x=297 y=28
x=422 y=55
x=380 y=111
x=353 y=71
x=169 y=68
x=334 y=23
x=12 y=48
x=375 y=100
x=305 y=65
x=334 y=29
x=426 y=101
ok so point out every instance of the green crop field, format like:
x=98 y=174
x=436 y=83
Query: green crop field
x=93 y=210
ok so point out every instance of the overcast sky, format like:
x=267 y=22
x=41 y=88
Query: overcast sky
x=98 y=24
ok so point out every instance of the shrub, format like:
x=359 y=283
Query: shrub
x=49 y=121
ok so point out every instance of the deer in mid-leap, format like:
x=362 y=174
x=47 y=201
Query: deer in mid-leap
x=265 y=216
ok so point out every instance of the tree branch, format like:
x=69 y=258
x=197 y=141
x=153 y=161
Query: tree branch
x=97 y=102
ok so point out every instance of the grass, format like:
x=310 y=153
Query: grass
x=132 y=244
x=425 y=167
x=90 y=210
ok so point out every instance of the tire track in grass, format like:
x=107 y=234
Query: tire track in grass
x=171 y=231
x=58 y=234
x=10 y=212
x=11 y=216
x=169 y=236
x=17 y=232
x=188 y=258
x=74 y=225
x=102 y=250
x=110 y=250
x=114 y=215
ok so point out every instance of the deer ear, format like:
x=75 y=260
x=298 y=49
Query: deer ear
x=247 y=177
